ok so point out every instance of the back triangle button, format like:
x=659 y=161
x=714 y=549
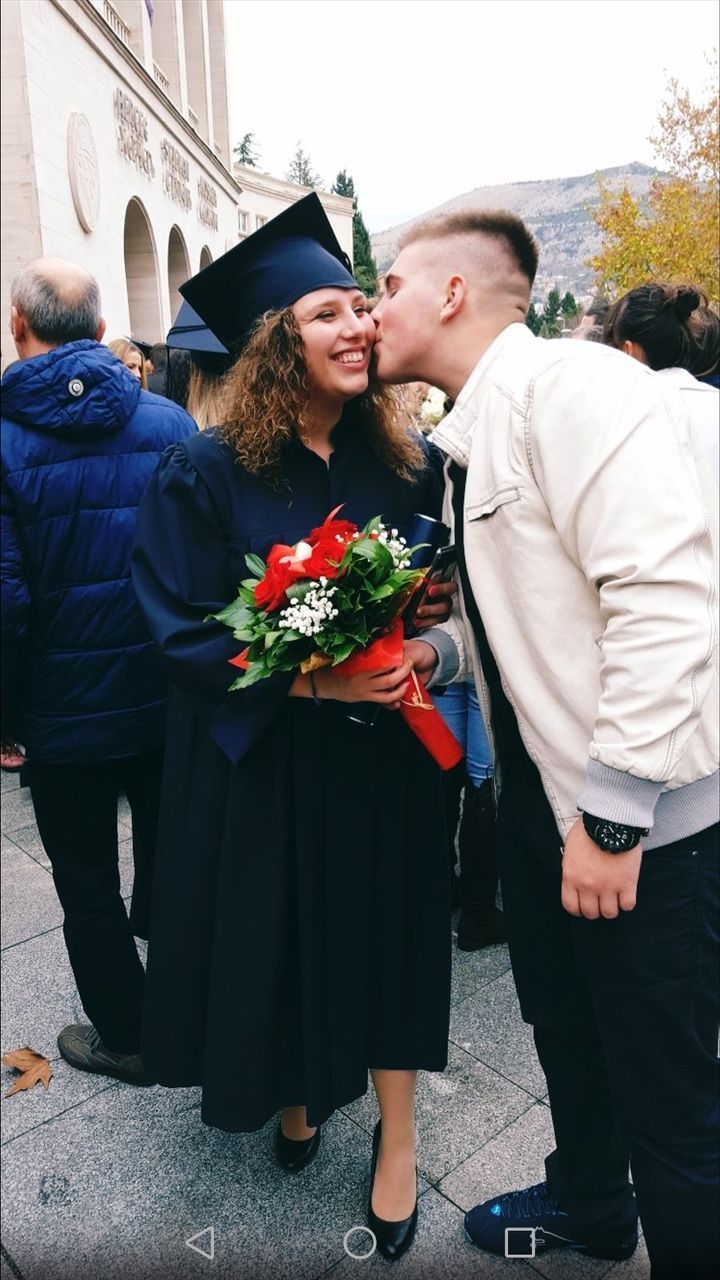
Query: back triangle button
x=208 y=1236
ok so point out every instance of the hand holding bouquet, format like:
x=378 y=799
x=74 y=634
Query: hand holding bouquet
x=334 y=601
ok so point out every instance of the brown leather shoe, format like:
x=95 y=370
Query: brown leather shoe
x=82 y=1047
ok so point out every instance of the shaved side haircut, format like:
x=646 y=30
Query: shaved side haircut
x=506 y=228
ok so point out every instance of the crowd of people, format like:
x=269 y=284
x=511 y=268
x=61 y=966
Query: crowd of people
x=295 y=869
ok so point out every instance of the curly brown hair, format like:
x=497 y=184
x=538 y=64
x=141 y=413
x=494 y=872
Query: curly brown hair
x=266 y=396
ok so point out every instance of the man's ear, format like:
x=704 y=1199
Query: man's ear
x=100 y=332
x=455 y=295
x=17 y=325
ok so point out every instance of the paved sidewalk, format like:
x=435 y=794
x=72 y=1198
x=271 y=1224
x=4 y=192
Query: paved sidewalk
x=105 y=1182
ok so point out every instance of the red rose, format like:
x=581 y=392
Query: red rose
x=282 y=570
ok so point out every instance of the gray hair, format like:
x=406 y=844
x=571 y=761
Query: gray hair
x=55 y=312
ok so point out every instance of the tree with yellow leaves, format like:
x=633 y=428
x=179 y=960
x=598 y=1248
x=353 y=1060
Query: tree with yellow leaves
x=677 y=235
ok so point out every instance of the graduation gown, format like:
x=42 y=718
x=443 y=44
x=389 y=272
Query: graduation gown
x=300 y=931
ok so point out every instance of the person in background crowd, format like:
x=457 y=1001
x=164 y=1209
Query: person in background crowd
x=594 y=316
x=469 y=798
x=587 y=333
x=586 y=529
x=705 y=360
x=145 y=349
x=158 y=358
x=131 y=357
x=301 y=906
x=190 y=340
x=670 y=328
x=83 y=686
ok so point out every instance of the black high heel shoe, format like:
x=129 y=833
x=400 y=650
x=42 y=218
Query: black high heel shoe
x=294 y=1156
x=393 y=1238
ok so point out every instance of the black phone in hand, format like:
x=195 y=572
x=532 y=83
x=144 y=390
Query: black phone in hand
x=442 y=569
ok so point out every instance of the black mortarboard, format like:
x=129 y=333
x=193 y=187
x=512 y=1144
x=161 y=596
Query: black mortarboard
x=190 y=333
x=143 y=347
x=293 y=254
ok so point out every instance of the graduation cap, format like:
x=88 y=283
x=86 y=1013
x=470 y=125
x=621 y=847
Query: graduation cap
x=190 y=333
x=143 y=347
x=293 y=254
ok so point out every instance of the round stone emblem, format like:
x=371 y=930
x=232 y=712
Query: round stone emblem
x=84 y=170
x=76 y=387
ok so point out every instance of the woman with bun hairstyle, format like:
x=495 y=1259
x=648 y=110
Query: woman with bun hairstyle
x=671 y=329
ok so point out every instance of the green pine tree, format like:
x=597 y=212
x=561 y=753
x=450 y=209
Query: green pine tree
x=532 y=319
x=246 y=151
x=364 y=267
x=569 y=306
x=301 y=170
x=550 y=321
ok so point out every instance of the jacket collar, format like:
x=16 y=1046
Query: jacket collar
x=454 y=434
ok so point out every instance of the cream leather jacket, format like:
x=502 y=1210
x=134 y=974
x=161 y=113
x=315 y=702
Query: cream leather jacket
x=591 y=543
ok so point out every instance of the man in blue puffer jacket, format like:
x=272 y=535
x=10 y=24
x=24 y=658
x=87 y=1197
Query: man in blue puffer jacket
x=82 y=684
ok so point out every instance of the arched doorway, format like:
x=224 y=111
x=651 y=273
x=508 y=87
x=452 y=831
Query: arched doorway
x=205 y=257
x=178 y=269
x=141 y=275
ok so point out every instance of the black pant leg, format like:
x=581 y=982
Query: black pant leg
x=76 y=812
x=589 y=1170
x=653 y=973
x=142 y=780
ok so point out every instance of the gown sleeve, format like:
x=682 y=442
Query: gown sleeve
x=181 y=571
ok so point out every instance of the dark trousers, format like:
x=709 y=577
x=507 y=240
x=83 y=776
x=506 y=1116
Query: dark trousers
x=76 y=813
x=625 y=1019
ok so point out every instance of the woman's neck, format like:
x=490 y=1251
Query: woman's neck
x=321 y=420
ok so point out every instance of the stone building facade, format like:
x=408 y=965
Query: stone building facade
x=117 y=151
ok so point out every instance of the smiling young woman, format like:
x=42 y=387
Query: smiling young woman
x=301 y=927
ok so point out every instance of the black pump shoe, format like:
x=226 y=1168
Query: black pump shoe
x=294 y=1156
x=393 y=1238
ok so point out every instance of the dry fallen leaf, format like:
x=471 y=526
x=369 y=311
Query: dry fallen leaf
x=34 y=1068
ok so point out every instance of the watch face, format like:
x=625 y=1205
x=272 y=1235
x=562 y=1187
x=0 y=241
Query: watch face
x=615 y=838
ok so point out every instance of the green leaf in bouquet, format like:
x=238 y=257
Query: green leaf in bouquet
x=246 y=591
x=233 y=615
x=383 y=591
x=255 y=672
x=372 y=526
x=299 y=590
x=271 y=637
x=344 y=651
x=255 y=565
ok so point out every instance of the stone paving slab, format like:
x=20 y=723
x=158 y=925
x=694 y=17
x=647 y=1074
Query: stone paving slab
x=39 y=996
x=510 y=1159
x=68 y=1089
x=17 y=809
x=29 y=901
x=457 y=1111
x=474 y=969
x=117 y=1186
x=489 y=1026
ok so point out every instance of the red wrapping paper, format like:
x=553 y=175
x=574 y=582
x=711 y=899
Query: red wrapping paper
x=417 y=710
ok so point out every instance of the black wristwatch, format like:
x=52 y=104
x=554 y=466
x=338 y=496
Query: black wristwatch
x=612 y=837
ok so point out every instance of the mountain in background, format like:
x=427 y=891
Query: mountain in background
x=557 y=210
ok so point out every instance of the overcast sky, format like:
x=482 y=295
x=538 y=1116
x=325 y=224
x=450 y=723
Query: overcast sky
x=422 y=100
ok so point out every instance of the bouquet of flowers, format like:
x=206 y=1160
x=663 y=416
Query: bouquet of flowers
x=334 y=599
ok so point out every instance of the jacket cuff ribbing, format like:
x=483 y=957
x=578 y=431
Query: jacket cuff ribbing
x=617 y=796
x=448 y=656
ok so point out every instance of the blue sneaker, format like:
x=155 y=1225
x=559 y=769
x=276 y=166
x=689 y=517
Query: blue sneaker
x=537 y=1223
